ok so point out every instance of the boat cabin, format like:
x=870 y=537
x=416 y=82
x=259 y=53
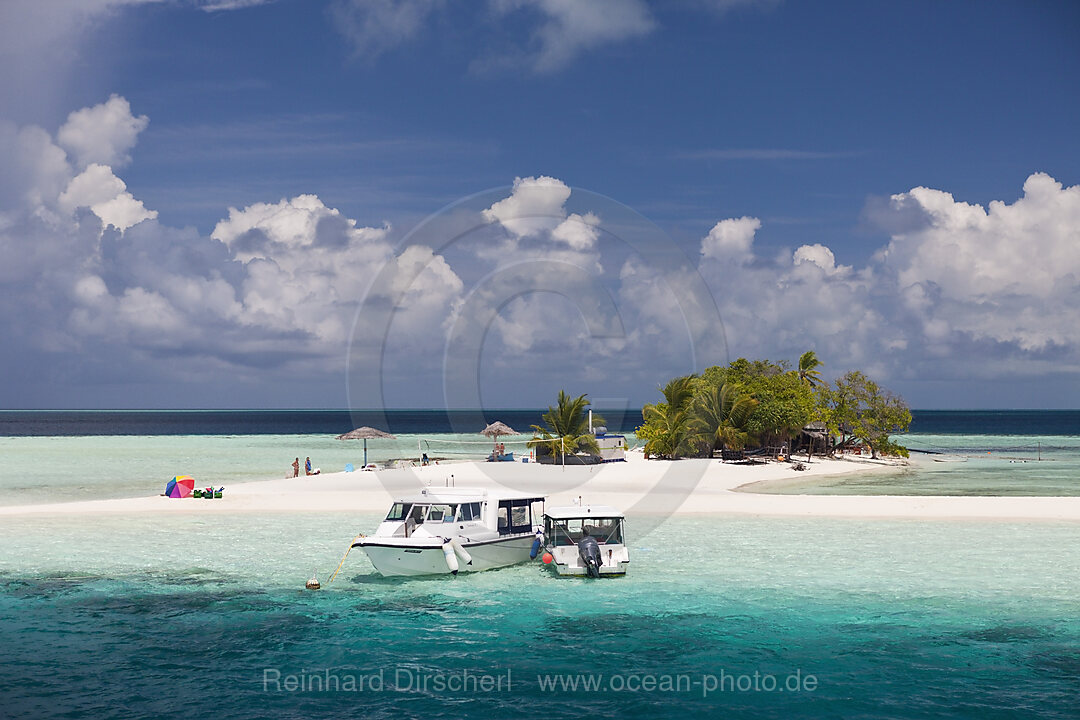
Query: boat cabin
x=570 y=531
x=447 y=530
x=586 y=540
x=439 y=512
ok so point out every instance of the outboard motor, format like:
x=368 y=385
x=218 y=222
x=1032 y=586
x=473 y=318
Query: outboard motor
x=589 y=550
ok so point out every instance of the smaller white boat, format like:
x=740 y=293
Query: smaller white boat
x=949 y=458
x=586 y=540
x=447 y=530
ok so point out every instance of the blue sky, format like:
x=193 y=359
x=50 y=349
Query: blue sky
x=892 y=185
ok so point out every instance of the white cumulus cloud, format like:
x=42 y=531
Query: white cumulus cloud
x=534 y=206
x=731 y=239
x=1007 y=273
x=103 y=134
x=106 y=195
x=958 y=291
x=274 y=286
x=819 y=255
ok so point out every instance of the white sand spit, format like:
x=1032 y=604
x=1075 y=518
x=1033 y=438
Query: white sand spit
x=638 y=486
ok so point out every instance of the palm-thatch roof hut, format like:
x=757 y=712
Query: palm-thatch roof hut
x=366 y=433
x=495 y=429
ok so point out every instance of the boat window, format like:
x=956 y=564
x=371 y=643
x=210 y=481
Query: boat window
x=564 y=532
x=521 y=517
x=441 y=513
x=417 y=514
x=607 y=531
x=470 y=511
x=398 y=511
x=516 y=515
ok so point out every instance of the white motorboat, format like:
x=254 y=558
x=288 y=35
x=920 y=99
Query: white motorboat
x=586 y=540
x=447 y=530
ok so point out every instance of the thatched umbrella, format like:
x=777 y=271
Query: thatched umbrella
x=363 y=433
x=495 y=429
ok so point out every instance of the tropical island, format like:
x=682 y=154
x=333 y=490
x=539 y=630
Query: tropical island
x=771 y=407
x=760 y=413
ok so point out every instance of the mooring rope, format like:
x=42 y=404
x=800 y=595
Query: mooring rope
x=344 y=556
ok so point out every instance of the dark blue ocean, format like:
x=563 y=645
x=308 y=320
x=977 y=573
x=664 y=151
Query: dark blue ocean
x=996 y=422
x=20 y=423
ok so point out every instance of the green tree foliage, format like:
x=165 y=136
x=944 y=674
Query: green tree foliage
x=721 y=415
x=732 y=405
x=741 y=370
x=668 y=430
x=808 y=368
x=857 y=408
x=785 y=402
x=759 y=401
x=566 y=427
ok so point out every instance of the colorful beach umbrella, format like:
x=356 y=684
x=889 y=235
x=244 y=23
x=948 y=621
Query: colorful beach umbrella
x=180 y=486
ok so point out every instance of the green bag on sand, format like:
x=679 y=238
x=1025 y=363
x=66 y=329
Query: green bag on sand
x=196 y=493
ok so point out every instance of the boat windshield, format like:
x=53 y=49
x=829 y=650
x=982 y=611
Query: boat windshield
x=441 y=513
x=607 y=531
x=417 y=514
x=398 y=512
x=469 y=512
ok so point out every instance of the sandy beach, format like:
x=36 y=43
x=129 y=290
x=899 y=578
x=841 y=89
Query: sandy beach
x=637 y=486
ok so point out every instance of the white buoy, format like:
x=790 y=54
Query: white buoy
x=313 y=583
x=451 y=558
x=460 y=551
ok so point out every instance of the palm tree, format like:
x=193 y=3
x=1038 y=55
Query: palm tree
x=808 y=368
x=721 y=416
x=567 y=427
x=668 y=424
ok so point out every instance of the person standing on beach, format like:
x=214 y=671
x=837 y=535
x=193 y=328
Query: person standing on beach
x=307 y=466
x=296 y=467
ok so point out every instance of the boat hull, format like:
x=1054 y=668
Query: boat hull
x=409 y=560
x=567 y=561
x=570 y=571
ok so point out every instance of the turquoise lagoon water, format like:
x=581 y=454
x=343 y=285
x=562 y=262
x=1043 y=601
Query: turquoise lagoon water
x=148 y=617
x=1001 y=465
x=69 y=468
x=57 y=469
x=156 y=617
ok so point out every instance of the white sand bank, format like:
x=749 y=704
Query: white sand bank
x=637 y=486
